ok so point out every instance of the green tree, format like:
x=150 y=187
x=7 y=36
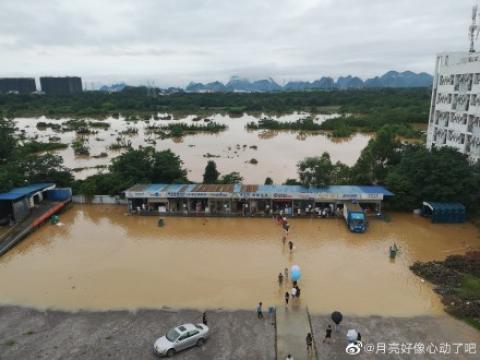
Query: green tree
x=231 y=178
x=147 y=165
x=292 y=182
x=211 y=174
x=316 y=171
x=44 y=168
x=381 y=153
x=438 y=175
x=7 y=140
x=268 y=181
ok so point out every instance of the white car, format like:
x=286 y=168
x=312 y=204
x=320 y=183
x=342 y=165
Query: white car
x=180 y=338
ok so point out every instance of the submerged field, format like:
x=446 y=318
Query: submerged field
x=101 y=258
x=275 y=153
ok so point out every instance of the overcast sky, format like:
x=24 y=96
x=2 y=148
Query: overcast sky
x=175 y=41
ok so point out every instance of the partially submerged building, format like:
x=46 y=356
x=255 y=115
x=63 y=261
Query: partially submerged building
x=17 y=204
x=248 y=200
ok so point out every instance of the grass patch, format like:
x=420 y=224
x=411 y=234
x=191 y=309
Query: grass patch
x=36 y=146
x=178 y=130
x=10 y=343
x=470 y=288
x=474 y=323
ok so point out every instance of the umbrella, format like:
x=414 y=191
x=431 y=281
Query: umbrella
x=295 y=273
x=337 y=317
x=352 y=335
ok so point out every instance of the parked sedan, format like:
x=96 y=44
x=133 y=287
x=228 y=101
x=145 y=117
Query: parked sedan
x=180 y=338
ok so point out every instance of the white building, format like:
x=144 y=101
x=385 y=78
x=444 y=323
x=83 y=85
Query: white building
x=455 y=109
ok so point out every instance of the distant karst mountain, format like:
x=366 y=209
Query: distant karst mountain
x=113 y=88
x=391 y=79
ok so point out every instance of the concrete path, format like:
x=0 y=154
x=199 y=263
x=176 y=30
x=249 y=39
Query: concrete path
x=293 y=325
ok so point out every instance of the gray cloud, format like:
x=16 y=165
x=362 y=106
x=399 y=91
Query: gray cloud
x=174 y=41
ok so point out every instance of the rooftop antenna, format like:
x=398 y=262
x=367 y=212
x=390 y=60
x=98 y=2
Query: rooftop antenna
x=474 y=29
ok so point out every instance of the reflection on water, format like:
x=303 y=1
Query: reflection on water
x=277 y=152
x=102 y=258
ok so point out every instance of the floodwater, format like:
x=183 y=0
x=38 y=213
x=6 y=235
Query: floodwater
x=102 y=258
x=277 y=152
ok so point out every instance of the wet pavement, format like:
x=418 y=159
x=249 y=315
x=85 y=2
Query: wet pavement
x=419 y=337
x=293 y=325
x=99 y=257
x=50 y=335
x=53 y=335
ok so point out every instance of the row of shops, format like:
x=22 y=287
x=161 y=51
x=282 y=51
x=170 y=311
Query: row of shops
x=249 y=200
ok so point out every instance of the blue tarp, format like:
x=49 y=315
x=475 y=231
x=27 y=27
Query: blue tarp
x=20 y=192
x=444 y=212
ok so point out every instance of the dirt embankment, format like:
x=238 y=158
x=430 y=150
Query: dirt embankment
x=458 y=282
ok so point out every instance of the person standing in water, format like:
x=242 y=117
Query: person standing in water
x=298 y=291
x=294 y=293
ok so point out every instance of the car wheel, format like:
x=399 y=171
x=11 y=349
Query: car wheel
x=171 y=352
x=200 y=342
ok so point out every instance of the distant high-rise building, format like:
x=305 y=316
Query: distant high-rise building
x=61 y=85
x=455 y=108
x=20 y=85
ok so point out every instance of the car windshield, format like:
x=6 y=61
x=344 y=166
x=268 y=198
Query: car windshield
x=172 y=335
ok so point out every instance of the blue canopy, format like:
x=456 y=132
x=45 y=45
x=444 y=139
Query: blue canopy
x=20 y=192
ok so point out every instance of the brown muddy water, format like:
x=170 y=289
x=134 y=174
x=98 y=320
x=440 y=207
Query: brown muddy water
x=102 y=258
x=277 y=153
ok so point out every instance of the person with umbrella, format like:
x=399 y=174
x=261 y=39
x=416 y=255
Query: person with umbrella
x=337 y=318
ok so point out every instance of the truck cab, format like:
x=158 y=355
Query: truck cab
x=355 y=218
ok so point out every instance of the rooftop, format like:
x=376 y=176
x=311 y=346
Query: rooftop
x=173 y=190
x=19 y=192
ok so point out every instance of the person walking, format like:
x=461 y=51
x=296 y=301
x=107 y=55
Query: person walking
x=290 y=245
x=328 y=334
x=287 y=297
x=271 y=310
x=280 y=279
x=285 y=272
x=298 y=291
x=204 y=318
x=259 y=310
x=309 y=341
x=294 y=293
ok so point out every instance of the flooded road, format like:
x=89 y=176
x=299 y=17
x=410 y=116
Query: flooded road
x=102 y=258
x=277 y=152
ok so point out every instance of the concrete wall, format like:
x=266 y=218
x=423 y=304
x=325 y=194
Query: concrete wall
x=98 y=199
x=20 y=209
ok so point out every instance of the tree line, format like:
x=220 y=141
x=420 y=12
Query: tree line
x=412 y=172
x=360 y=110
